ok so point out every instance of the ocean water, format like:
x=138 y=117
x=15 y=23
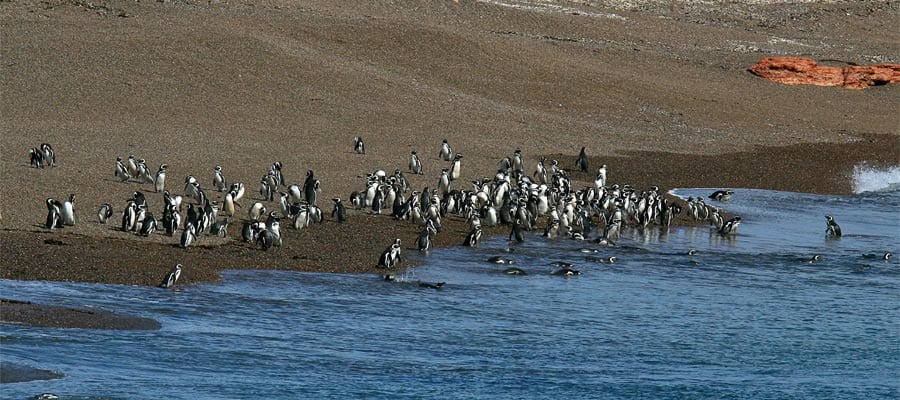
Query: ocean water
x=746 y=317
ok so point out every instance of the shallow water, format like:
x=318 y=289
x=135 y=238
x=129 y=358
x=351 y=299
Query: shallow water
x=746 y=317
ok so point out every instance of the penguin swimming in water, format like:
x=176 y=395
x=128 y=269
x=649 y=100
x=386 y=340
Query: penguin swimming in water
x=721 y=195
x=446 y=152
x=437 y=285
x=171 y=277
x=415 y=166
x=104 y=213
x=514 y=271
x=500 y=260
x=566 y=272
x=832 y=230
x=160 y=185
x=358 y=146
x=582 y=161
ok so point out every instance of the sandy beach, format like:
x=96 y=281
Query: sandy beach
x=657 y=91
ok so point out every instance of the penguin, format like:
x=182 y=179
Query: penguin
x=310 y=188
x=160 y=185
x=255 y=211
x=37 y=158
x=600 y=180
x=455 y=167
x=237 y=189
x=692 y=252
x=49 y=154
x=517 y=232
x=446 y=153
x=435 y=286
x=358 y=146
x=730 y=226
x=148 y=225
x=139 y=198
x=721 y=195
x=144 y=172
x=121 y=170
x=390 y=256
x=188 y=235
x=832 y=230
x=518 y=164
x=220 y=228
x=562 y=264
x=582 y=161
x=444 y=182
x=266 y=239
x=339 y=213
x=171 y=277
x=423 y=242
x=815 y=258
x=171 y=219
x=276 y=170
x=500 y=260
x=473 y=237
x=67 y=211
x=104 y=213
x=131 y=166
x=189 y=185
x=53 y=214
x=514 y=271
x=228 y=204
x=415 y=166
x=566 y=272
x=219 y=179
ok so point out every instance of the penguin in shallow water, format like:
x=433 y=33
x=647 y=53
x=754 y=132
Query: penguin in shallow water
x=721 y=195
x=516 y=232
x=171 y=277
x=730 y=226
x=473 y=237
x=428 y=285
x=832 y=230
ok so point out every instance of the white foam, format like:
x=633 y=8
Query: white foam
x=868 y=179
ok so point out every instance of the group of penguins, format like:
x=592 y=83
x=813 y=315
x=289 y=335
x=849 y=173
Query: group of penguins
x=510 y=197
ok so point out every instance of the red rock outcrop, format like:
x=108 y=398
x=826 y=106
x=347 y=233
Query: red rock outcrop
x=804 y=71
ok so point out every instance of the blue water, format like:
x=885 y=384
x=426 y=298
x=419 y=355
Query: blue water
x=745 y=317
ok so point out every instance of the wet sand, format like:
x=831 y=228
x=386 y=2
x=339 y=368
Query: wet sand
x=659 y=93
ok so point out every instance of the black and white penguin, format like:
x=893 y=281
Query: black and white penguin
x=220 y=228
x=188 y=235
x=600 y=180
x=37 y=158
x=514 y=271
x=390 y=256
x=104 y=213
x=832 y=230
x=582 y=162
x=131 y=166
x=435 y=286
x=721 y=195
x=144 y=174
x=122 y=171
x=415 y=166
x=310 y=188
x=516 y=232
x=160 y=185
x=129 y=216
x=500 y=260
x=171 y=277
x=730 y=226
x=67 y=211
x=455 y=167
x=446 y=152
x=423 y=242
x=566 y=272
x=473 y=237
x=49 y=154
x=219 y=179
x=148 y=225
x=256 y=211
x=358 y=146
x=53 y=214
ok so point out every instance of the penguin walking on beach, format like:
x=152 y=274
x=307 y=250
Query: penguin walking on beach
x=415 y=165
x=160 y=185
x=104 y=213
x=832 y=230
x=446 y=152
x=582 y=161
x=171 y=277
x=358 y=146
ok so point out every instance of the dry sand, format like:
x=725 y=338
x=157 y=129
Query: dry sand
x=658 y=91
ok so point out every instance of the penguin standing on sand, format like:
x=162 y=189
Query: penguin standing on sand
x=53 y=214
x=171 y=277
x=358 y=146
x=310 y=188
x=600 y=180
x=67 y=211
x=219 y=179
x=144 y=172
x=37 y=158
x=415 y=166
x=455 y=167
x=122 y=170
x=160 y=185
x=148 y=225
x=105 y=213
x=582 y=161
x=49 y=154
x=832 y=230
x=339 y=213
x=446 y=152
